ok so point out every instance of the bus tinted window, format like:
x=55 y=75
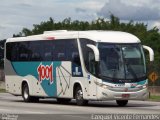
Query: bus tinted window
x=58 y=50
x=9 y=50
x=36 y=48
x=22 y=51
x=48 y=50
x=73 y=54
x=12 y=51
x=87 y=53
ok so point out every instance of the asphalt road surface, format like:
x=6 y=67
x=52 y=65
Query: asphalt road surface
x=47 y=109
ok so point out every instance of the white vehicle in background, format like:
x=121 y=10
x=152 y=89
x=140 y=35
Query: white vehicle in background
x=81 y=65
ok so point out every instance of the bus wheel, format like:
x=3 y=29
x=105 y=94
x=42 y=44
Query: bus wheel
x=26 y=96
x=25 y=93
x=122 y=102
x=79 y=97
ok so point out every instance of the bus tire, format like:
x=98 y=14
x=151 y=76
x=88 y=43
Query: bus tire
x=26 y=96
x=25 y=93
x=79 y=97
x=122 y=102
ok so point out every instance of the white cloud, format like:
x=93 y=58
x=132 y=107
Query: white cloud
x=132 y=10
x=87 y=9
x=17 y=14
x=94 y=5
x=25 y=13
x=154 y=24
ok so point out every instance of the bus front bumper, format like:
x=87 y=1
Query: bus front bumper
x=106 y=94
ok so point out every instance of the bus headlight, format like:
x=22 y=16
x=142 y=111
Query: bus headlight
x=143 y=86
x=106 y=86
x=103 y=85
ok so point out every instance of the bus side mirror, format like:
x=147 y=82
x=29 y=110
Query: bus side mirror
x=151 y=52
x=95 y=50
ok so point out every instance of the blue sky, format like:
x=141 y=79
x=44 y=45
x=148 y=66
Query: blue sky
x=17 y=14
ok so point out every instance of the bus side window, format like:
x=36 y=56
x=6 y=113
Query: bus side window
x=61 y=56
x=76 y=58
x=48 y=48
x=12 y=51
x=91 y=64
x=36 y=57
x=88 y=55
x=23 y=51
x=58 y=48
x=23 y=57
x=72 y=52
x=36 y=50
x=9 y=51
x=48 y=56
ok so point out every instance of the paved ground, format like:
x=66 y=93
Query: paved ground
x=49 y=108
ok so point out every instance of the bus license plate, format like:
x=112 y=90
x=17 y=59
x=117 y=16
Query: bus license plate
x=125 y=95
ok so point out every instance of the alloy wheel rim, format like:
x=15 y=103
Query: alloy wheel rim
x=79 y=95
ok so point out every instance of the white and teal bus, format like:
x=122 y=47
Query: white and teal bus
x=81 y=65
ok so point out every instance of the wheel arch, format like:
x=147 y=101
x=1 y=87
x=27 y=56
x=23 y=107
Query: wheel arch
x=76 y=84
x=25 y=81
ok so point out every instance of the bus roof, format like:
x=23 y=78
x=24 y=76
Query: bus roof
x=97 y=36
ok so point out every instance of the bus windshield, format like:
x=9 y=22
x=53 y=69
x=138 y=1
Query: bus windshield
x=122 y=61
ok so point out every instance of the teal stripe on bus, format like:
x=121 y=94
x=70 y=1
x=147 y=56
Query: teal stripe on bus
x=30 y=68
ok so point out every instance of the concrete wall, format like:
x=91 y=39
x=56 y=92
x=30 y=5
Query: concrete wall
x=2 y=85
x=154 y=90
x=2 y=79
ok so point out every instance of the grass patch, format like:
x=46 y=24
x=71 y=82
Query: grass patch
x=155 y=98
x=2 y=90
